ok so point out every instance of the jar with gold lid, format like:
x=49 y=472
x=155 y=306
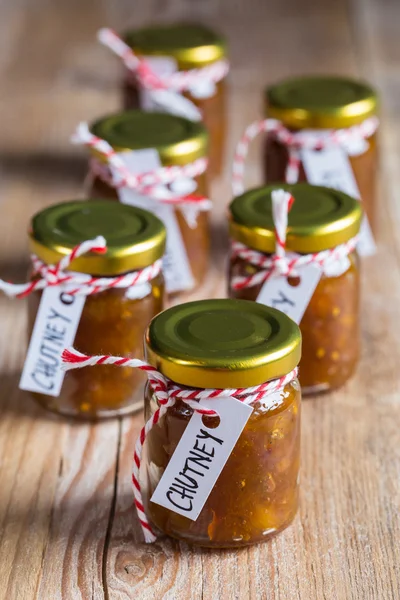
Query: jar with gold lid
x=164 y=160
x=191 y=60
x=333 y=125
x=249 y=352
x=99 y=295
x=322 y=230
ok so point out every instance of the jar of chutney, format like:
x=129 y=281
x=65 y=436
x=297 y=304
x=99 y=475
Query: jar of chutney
x=171 y=152
x=322 y=230
x=116 y=290
x=238 y=350
x=332 y=126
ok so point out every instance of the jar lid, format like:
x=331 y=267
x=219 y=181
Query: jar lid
x=192 y=45
x=321 y=102
x=177 y=140
x=135 y=237
x=320 y=218
x=223 y=343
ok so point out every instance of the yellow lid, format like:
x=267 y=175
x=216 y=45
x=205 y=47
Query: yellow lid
x=192 y=45
x=135 y=237
x=320 y=218
x=321 y=102
x=177 y=140
x=223 y=343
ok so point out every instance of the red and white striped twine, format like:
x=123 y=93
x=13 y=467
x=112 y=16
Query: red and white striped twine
x=279 y=264
x=78 y=283
x=179 y=82
x=152 y=184
x=167 y=393
x=295 y=141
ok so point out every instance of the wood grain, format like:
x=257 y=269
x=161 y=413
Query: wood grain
x=67 y=527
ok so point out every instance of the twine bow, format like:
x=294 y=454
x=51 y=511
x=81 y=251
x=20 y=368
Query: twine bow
x=331 y=261
x=152 y=184
x=165 y=89
x=77 y=283
x=295 y=141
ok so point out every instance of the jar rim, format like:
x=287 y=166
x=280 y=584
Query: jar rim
x=222 y=343
x=191 y=44
x=177 y=140
x=321 y=102
x=135 y=237
x=321 y=218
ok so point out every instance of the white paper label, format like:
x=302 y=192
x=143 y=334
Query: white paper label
x=166 y=100
x=55 y=328
x=292 y=300
x=200 y=457
x=176 y=267
x=161 y=66
x=331 y=167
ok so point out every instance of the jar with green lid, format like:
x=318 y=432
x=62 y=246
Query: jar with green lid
x=161 y=145
x=240 y=348
x=323 y=225
x=333 y=121
x=195 y=55
x=118 y=291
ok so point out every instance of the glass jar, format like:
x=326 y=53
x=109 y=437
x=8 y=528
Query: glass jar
x=184 y=47
x=112 y=320
x=320 y=219
x=169 y=141
x=229 y=344
x=323 y=104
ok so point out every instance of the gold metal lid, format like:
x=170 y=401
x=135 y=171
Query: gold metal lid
x=135 y=238
x=177 y=140
x=192 y=45
x=223 y=343
x=321 y=102
x=320 y=218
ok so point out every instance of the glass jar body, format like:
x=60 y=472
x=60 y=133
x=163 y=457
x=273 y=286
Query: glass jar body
x=256 y=494
x=214 y=116
x=195 y=239
x=111 y=323
x=329 y=327
x=364 y=167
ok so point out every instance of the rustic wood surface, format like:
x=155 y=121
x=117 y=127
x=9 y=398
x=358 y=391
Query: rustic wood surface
x=67 y=528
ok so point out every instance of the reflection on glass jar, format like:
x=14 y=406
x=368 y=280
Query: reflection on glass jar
x=256 y=494
x=321 y=106
x=201 y=54
x=156 y=140
x=320 y=219
x=113 y=319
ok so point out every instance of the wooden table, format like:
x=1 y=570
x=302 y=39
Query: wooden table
x=68 y=529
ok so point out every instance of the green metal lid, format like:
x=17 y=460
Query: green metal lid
x=321 y=102
x=223 y=343
x=135 y=238
x=177 y=140
x=192 y=45
x=320 y=218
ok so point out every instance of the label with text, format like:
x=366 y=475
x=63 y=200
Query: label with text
x=176 y=266
x=292 y=300
x=200 y=457
x=55 y=328
x=331 y=167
